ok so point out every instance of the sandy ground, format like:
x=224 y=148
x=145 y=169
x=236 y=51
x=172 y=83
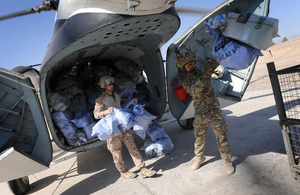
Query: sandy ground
x=284 y=55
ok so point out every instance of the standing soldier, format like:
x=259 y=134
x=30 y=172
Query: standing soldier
x=103 y=106
x=197 y=82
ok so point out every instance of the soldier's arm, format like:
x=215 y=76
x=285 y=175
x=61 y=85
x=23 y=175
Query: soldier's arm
x=99 y=109
x=210 y=67
x=192 y=84
x=181 y=74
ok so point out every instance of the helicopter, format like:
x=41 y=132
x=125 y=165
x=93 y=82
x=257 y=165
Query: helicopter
x=88 y=36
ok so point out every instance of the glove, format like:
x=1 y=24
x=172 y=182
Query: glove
x=218 y=72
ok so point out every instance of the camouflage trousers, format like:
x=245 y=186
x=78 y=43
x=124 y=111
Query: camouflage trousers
x=115 y=147
x=215 y=118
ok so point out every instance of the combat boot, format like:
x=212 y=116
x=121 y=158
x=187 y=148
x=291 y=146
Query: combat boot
x=197 y=163
x=147 y=173
x=229 y=168
x=128 y=175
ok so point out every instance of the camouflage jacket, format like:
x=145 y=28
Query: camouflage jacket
x=200 y=87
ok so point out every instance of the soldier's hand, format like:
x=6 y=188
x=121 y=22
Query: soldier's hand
x=218 y=72
x=110 y=110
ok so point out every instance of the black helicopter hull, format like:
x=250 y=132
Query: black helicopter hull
x=86 y=40
x=76 y=27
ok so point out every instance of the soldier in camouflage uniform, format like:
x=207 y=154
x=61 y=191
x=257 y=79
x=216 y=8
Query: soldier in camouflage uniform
x=103 y=106
x=197 y=82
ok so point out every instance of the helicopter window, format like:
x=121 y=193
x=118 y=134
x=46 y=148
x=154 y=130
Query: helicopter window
x=108 y=33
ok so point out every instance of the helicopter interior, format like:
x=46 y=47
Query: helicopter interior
x=77 y=76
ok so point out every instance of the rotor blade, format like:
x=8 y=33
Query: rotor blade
x=16 y=14
x=191 y=11
x=45 y=6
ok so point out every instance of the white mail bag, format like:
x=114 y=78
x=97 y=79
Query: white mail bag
x=255 y=30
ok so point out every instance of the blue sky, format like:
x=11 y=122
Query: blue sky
x=24 y=40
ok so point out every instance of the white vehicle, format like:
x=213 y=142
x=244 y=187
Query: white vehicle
x=85 y=34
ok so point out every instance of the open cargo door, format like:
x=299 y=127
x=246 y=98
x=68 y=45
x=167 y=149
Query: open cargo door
x=231 y=87
x=25 y=146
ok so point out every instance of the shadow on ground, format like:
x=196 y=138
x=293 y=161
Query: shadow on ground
x=252 y=134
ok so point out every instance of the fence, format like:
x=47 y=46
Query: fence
x=286 y=88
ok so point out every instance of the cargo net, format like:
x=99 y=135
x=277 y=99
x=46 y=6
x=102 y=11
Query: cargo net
x=290 y=90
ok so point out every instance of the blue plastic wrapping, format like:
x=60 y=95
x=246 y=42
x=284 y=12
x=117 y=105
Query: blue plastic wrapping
x=156 y=132
x=84 y=121
x=143 y=121
x=161 y=147
x=114 y=124
x=166 y=144
x=234 y=55
x=151 y=149
x=88 y=130
x=213 y=25
x=63 y=121
x=144 y=118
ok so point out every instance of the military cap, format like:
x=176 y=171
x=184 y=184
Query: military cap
x=184 y=58
x=106 y=81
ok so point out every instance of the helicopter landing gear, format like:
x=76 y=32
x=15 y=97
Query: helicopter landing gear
x=19 y=186
x=186 y=124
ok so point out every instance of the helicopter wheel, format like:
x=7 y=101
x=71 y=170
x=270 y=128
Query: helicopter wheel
x=19 y=186
x=186 y=124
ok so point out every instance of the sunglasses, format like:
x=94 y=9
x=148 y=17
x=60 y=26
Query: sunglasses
x=109 y=81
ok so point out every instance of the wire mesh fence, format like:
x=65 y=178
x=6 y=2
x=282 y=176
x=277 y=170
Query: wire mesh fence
x=286 y=89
